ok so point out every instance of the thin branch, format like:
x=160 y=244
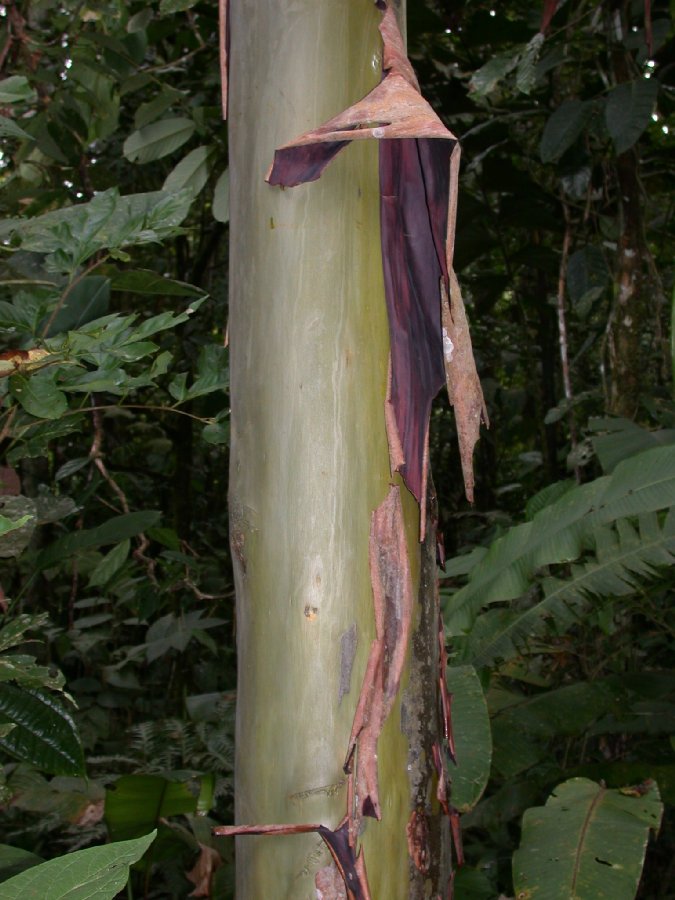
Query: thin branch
x=562 y=333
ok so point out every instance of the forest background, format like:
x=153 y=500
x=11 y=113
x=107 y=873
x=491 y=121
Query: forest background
x=117 y=659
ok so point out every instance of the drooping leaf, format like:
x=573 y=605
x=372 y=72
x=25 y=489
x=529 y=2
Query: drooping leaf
x=628 y=111
x=116 y=529
x=563 y=128
x=473 y=738
x=110 y=564
x=44 y=735
x=87 y=300
x=135 y=803
x=97 y=873
x=39 y=395
x=144 y=281
x=624 y=558
x=642 y=484
x=615 y=439
x=14 y=860
x=588 y=841
x=16 y=89
x=158 y=139
x=191 y=173
x=486 y=79
x=9 y=128
x=221 y=198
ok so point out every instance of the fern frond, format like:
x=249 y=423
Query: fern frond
x=558 y=533
x=625 y=558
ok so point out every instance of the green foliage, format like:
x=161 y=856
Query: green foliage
x=473 y=738
x=113 y=423
x=586 y=842
x=98 y=873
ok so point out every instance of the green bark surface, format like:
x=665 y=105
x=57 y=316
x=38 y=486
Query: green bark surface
x=309 y=464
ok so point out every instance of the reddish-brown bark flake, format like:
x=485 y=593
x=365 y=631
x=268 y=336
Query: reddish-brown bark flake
x=350 y=865
x=429 y=335
x=393 y=601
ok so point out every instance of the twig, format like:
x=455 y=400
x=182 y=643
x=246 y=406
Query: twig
x=562 y=333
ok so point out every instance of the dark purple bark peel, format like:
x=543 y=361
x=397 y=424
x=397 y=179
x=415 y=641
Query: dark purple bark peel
x=430 y=342
x=413 y=226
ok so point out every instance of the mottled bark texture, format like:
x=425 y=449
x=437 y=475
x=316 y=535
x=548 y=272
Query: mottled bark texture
x=309 y=467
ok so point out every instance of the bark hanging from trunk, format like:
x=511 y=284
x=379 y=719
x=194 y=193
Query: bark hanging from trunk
x=309 y=465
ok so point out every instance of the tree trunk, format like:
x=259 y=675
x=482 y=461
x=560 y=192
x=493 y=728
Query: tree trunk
x=310 y=463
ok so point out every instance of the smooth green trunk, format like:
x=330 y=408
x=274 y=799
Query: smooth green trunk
x=309 y=349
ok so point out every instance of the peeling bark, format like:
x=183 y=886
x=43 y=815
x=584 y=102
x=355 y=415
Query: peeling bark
x=419 y=166
x=350 y=864
x=393 y=600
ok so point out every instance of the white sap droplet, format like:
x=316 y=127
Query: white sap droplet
x=378 y=132
x=448 y=346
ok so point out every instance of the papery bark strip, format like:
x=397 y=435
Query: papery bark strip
x=419 y=168
x=393 y=602
x=350 y=864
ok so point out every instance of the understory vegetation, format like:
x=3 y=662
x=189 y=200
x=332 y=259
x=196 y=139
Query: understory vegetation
x=117 y=630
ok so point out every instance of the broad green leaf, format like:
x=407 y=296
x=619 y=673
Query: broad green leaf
x=158 y=139
x=13 y=633
x=97 y=873
x=563 y=128
x=628 y=111
x=15 y=540
x=212 y=371
x=135 y=803
x=71 y=467
x=527 y=72
x=24 y=671
x=191 y=173
x=169 y=7
x=7 y=525
x=16 y=89
x=216 y=433
x=117 y=529
x=45 y=733
x=9 y=128
x=110 y=564
x=140 y=20
x=175 y=632
x=144 y=281
x=39 y=395
x=13 y=860
x=642 y=483
x=623 y=438
x=639 y=485
x=85 y=301
x=221 y=198
x=624 y=559
x=587 y=842
x=486 y=79
x=473 y=738
x=149 y=112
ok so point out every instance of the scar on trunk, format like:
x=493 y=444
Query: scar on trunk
x=393 y=601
